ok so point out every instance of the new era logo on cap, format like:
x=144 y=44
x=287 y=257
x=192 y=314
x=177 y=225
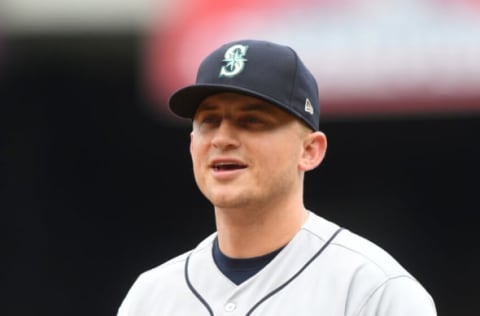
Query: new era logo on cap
x=260 y=69
x=308 y=106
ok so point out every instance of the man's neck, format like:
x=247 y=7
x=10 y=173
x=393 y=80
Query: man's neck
x=250 y=233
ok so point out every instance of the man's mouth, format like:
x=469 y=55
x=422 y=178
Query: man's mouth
x=227 y=166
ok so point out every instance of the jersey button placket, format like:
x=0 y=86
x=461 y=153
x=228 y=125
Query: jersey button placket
x=230 y=307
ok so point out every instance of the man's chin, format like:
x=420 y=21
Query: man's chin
x=228 y=201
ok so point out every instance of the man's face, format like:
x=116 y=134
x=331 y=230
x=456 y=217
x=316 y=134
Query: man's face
x=245 y=151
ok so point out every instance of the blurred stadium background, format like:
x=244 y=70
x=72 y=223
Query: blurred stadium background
x=95 y=178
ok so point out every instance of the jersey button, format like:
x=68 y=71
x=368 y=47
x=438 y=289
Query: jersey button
x=230 y=307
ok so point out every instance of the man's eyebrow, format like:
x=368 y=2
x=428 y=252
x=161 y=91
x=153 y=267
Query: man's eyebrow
x=205 y=107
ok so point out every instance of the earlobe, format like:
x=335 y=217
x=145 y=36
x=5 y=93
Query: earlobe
x=314 y=150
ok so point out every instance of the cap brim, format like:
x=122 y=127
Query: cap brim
x=185 y=101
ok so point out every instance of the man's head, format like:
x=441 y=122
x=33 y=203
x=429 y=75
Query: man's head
x=255 y=125
x=254 y=68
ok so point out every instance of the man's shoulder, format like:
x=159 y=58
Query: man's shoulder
x=373 y=277
x=356 y=249
x=167 y=268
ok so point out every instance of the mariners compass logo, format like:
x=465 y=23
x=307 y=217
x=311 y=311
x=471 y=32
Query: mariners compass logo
x=234 y=60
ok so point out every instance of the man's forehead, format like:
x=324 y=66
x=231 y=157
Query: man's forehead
x=236 y=101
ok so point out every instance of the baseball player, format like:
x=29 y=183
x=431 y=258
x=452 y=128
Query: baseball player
x=255 y=114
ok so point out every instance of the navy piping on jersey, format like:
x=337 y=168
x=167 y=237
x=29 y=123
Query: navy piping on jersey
x=266 y=297
x=194 y=291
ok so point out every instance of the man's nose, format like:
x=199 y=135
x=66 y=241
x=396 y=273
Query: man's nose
x=225 y=135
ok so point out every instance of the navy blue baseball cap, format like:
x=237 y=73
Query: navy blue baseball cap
x=260 y=69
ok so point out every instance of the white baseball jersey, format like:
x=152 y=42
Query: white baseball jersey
x=321 y=271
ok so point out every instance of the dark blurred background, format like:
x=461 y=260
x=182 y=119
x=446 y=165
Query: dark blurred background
x=96 y=184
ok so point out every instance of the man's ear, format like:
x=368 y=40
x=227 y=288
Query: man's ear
x=191 y=142
x=314 y=149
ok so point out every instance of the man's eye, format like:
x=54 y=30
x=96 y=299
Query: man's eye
x=251 y=120
x=210 y=119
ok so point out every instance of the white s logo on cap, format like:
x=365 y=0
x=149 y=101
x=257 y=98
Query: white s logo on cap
x=235 y=61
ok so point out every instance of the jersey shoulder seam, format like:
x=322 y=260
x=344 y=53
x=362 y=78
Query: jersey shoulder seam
x=337 y=243
x=382 y=285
